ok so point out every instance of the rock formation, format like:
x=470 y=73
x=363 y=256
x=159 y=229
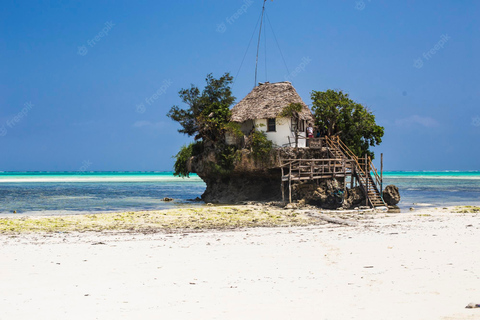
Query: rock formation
x=391 y=195
x=260 y=180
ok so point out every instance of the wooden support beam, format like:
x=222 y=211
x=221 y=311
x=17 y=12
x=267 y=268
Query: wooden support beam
x=366 y=180
x=381 y=174
x=290 y=185
x=352 y=178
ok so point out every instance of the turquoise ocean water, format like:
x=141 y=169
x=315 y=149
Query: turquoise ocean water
x=53 y=193
x=435 y=189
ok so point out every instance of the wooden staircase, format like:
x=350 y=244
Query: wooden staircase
x=361 y=169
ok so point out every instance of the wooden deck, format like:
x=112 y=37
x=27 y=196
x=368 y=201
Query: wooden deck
x=342 y=164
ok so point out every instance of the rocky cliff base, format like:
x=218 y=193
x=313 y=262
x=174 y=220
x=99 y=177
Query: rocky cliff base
x=259 y=179
x=253 y=186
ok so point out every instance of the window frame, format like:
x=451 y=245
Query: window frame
x=302 y=126
x=293 y=124
x=274 y=124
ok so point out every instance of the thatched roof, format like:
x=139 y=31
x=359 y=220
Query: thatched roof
x=267 y=101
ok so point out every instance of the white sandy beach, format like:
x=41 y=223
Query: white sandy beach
x=416 y=265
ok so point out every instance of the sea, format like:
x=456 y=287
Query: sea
x=66 y=193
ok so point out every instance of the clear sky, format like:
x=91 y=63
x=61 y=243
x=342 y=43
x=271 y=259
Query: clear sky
x=85 y=85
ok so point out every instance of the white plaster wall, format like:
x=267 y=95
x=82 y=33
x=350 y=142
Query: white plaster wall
x=280 y=136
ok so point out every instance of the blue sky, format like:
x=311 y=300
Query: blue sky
x=85 y=85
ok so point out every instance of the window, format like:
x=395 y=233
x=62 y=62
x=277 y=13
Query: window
x=302 y=126
x=299 y=123
x=293 y=125
x=271 y=125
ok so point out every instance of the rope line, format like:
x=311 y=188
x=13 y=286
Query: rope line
x=258 y=44
x=281 y=53
x=246 y=51
x=265 y=33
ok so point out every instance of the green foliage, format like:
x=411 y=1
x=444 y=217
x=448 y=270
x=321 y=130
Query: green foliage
x=292 y=110
x=208 y=111
x=337 y=114
x=197 y=148
x=226 y=157
x=261 y=146
x=234 y=128
x=182 y=157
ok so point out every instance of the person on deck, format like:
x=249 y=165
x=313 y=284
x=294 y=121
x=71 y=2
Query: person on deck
x=309 y=133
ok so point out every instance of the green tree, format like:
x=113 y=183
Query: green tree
x=208 y=111
x=292 y=111
x=337 y=114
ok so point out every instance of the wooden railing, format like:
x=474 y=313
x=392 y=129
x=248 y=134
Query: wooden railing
x=315 y=143
x=377 y=178
x=312 y=168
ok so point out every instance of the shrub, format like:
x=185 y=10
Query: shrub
x=226 y=157
x=261 y=146
x=182 y=157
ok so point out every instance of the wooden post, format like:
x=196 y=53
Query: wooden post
x=290 y=185
x=283 y=188
x=311 y=170
x=381 y=174
x=352 y=178
x=366 y=179
x=332 y=164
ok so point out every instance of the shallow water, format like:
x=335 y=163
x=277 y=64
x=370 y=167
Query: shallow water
x=53 y=193
x=435 y=189
x=45 y=193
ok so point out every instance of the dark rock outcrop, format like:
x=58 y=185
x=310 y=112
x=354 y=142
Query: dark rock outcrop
x=391 y=195
x=252 y=179
x=255 y=186
x=354 y=198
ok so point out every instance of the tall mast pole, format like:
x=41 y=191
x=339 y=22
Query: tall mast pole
x=258 y=44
